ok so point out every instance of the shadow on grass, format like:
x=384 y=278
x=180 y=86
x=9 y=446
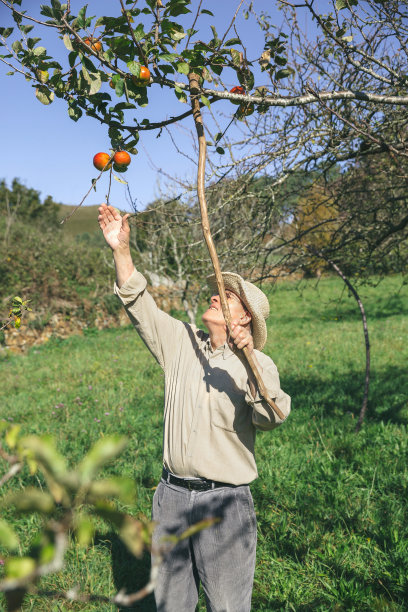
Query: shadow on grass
x=387 y=395
x=129 y=573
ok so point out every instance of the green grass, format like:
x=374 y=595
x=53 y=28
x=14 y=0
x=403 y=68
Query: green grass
x=331 y=504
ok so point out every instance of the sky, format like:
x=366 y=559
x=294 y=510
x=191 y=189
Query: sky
x=49 y=152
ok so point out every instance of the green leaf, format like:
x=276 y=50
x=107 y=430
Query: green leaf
x=341 y=4
x=232 y=41
x=139 y=32
x=26 y=29
x=95 y=84
x=134 y=68
x=85 y=61
x=40 y=51
x=177 y=7
x=101 y=453
x=207 y=12
x=205 y=101
x=131 y=533
x=81 y=19
x=74 y=113
x=44 y=95
x=43 y=450
x=347 y=38
x=183 y=68
x=246 y=78
x=12 y=436
x=120 y=488
x=17 y=46
x=214 y=31
x=86 y=75
x=8 y=538
x=19 y=567
x=282 y=74
x=168 y=57
x=181 y=95
x=217 y=68
x=177 y=35
x=220 y=150
x=32 y=500
x=5 y=32
x=190 y=531
x=47 y=553
x=84 y=531
x=46 y=10
x=67 y=42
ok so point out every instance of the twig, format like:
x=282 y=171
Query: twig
x=194 y=22
x=139 y=47
x=194 y=92
x=15 y=469
x=44 y=23
x=232 y=22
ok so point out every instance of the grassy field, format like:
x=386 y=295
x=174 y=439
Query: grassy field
x=331 y=505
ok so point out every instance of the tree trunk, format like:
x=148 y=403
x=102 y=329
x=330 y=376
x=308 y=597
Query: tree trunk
x=366 y=338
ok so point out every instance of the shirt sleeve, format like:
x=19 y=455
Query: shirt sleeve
x=159 y=331
x=263 y=416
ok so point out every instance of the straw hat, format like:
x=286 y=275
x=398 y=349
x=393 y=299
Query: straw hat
x=254 y=299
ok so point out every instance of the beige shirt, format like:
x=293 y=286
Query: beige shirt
x=210 y=416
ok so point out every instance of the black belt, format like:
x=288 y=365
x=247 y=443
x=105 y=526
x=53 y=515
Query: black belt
x=198 y=484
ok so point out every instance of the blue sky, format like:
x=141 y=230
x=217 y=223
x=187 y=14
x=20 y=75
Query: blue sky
x=46 y=150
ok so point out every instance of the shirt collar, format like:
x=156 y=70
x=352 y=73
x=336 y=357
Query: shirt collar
x=224 y=350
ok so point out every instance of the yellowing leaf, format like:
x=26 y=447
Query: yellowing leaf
x=119 y=180
x=8 y=538
x=12 y=435
x=68 y=42
x=44 y=95
x=19 y=567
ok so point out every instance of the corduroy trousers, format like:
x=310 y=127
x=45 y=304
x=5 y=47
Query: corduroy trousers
x=221 y=557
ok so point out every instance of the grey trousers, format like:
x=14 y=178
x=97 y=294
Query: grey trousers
x=221 y=557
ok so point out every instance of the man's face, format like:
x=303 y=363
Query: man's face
x=213 y=315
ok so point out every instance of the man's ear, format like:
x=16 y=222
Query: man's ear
x=246 y=318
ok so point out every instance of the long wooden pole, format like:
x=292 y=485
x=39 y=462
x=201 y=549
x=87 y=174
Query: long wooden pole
x=244 y=353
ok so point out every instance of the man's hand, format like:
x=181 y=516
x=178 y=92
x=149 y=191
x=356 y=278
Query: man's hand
x=115 y=228
x=241 y=336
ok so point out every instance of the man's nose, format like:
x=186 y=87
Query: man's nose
x=214 y=298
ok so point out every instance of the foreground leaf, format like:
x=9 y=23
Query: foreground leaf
x=101 y=453
x=8 y=537
x=44 y=95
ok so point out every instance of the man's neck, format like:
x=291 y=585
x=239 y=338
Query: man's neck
x=217 y=338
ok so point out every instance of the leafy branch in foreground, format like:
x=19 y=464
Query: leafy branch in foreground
x=72 y=503
x=17 y=308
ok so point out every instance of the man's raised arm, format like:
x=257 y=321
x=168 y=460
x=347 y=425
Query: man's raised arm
x=116 y=232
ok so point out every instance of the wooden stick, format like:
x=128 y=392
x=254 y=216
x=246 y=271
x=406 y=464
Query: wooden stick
x=243 y=354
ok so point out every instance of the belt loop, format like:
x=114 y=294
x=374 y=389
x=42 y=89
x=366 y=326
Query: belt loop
x=212 y=484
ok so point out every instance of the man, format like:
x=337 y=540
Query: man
x=211 y=412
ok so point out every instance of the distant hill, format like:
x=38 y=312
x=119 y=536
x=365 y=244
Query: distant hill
x=84 y=220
